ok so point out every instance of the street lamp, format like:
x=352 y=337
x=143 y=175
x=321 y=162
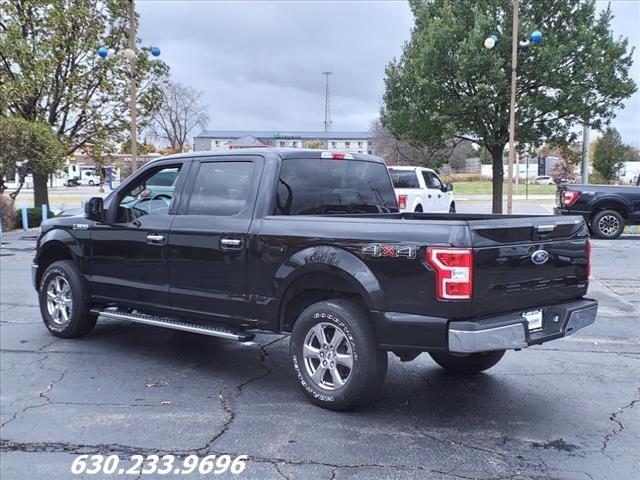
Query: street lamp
x=535 y=37
x=131 y=55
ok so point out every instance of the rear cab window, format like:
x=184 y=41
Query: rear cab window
x=313 y=186
x=404 y=178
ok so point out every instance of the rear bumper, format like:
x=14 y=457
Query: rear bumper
x=507 y=331
x=586 y=214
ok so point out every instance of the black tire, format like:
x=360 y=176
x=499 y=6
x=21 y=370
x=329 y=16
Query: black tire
x=452 y=207
x=91 y=183
x=467 y=364
x=369 y=364
x=72 y=295
x=418 y=209
x=607 y=224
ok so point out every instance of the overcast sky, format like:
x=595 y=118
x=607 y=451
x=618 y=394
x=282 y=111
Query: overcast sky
x=260 y=63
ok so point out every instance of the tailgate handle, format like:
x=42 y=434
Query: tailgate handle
x=545 y=228
x=231 y=244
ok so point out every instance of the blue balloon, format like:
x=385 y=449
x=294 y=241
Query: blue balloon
x=155 y=51
x=536 y=36
x=103 y=52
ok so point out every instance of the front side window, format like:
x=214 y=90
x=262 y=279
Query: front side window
x=432 y=180
x=404 y=178
x=316 y=187
x=221 y=188
x=152 y=194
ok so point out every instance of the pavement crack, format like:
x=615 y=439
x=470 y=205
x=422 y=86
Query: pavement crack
x=619 y=426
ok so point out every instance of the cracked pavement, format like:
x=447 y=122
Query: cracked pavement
x=569 y=409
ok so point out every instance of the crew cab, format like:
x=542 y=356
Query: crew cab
x=312 y=244
x=419 y=189
x=605 y=208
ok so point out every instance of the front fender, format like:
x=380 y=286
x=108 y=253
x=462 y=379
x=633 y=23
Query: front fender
x=335 y=261
x=56 y=237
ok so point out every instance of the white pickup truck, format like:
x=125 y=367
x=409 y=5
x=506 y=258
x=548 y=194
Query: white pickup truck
x=419 y=189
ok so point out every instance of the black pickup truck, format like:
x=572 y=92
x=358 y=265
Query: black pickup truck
x=605 y=208
x=311 y=243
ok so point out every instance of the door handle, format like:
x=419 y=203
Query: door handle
x=439 y=195
x=429 y=195
x=230 y=244
x=155 y=238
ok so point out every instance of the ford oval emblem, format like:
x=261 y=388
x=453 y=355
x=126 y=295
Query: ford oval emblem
x=540 y=257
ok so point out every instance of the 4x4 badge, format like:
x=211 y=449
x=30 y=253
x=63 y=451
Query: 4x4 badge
x=383 y=250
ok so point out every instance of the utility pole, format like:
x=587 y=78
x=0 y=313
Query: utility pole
x=585 y=153
x=327 y=103
x=512 y=110
x=132 y=86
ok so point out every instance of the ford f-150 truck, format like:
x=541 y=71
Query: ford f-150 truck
x=605 y=208
x=311 y=243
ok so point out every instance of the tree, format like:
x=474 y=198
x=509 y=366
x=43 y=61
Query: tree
x=608 y=154
x=143 y=148
x=315 y=144
x=394 y=150
x=181 y=111
x=30 y=148
x=448 y=85
x=50 y=72
x=632 y=154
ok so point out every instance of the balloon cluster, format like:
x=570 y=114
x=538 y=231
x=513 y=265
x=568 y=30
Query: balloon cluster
x=129 y=54
x=535 y=37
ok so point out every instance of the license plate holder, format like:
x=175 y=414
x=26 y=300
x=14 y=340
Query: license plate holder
x=534 y=320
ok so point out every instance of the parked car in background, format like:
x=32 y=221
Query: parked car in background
x=419 y=189
x=606 y=208
x=88 y=177
x=543 y=180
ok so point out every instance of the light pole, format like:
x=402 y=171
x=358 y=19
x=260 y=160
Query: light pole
x=131 y=55
x=490 y=42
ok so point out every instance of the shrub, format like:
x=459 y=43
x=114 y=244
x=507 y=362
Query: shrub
x=8 y=213
x=34 y=217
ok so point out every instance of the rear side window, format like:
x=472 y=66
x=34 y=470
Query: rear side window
x=221 y=188
x=404 y=179
x=316 y=186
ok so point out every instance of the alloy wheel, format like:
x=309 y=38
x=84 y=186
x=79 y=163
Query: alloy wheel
x=59 y=300
x=328 y=357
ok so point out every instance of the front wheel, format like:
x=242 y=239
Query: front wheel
x=452 y=208
x=467 y=364
x=335 y=355
x=63 y=301
x=607 y=224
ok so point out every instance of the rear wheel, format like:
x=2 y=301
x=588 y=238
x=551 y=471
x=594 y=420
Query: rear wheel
x=335 y=355
x=607 y=224
x=467 y=364
x=418 y=209
x=63 y=301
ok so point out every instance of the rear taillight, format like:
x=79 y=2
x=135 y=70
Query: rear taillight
x=569 y=197
x=454 y=272
x=402 y=201
x=587 y=248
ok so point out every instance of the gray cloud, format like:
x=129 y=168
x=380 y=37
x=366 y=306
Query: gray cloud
x=259 y=63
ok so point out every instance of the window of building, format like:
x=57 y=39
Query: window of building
x=347 y=144
x=282 y=143
x=294 y=144
x=221 y=188
x=334 y=144
x=359 y=144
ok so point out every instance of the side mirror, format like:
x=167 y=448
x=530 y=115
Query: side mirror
x=94 y=209
x=448 y=187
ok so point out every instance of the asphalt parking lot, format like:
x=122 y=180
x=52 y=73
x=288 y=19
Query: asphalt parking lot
x=569 y=409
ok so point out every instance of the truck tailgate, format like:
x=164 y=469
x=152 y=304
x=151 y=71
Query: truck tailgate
x=509 y=275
